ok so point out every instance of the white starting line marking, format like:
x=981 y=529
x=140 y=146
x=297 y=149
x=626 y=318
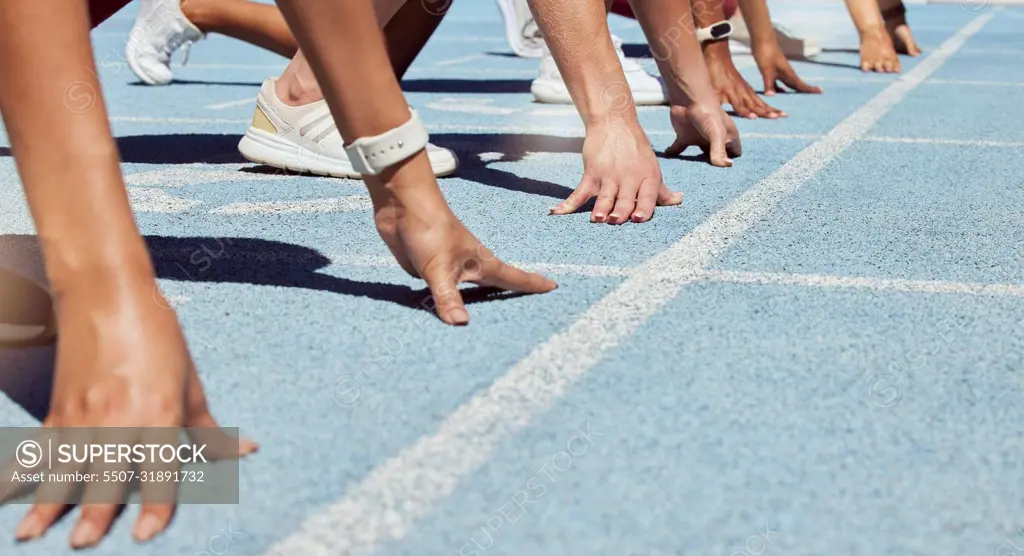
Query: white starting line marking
x=385 y=505
x=232 y=103
x=338 y=204
x=460 y=60
x=181 y=176
x=964 y=142
x=882 y=284
x=739 y=277
x=146 y=199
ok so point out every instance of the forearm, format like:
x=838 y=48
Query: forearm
x=576 y=32
x=68 y=161
x=759 y=23
x=671 y=34
x=866 y=15
x=346 y=49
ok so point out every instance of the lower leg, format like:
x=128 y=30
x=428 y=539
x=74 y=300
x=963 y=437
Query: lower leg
x=407 y=33
x=894 y=14
x=258 y=24
x=407 y=28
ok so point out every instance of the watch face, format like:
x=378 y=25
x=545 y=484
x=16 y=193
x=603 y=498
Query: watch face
x=721 y=30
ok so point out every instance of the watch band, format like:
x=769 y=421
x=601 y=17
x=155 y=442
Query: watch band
x=714 y=32
x=372 y=155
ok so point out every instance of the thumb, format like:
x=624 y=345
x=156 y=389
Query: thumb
x=716 y=137
x=444 y=288
x=676 y=148
x=583 y=193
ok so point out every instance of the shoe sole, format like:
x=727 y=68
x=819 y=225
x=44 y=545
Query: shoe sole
x=268 y=149
x=549 y=93
x=508 y=12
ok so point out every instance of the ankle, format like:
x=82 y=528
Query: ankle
x=295 y=92
x=200 y=13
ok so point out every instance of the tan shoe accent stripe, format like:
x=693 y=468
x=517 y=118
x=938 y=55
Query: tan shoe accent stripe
x=262 y=122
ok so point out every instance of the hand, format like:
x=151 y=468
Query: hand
x=121 y=362
x=707 y=127
x=731 y=86
x=775 y=67
x=877 y=53
x=430 y=242
x=620 y=168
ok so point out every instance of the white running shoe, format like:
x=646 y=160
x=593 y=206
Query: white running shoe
x=549 y=87
x=520 y=29
x=305 y=139
x=792 y=46
x=160 y=30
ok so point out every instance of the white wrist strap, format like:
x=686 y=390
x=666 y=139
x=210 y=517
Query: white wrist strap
x=372 y=155
x=714 y=32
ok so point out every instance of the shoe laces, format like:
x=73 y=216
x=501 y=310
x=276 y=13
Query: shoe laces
x=184 y=41
x=531 y=31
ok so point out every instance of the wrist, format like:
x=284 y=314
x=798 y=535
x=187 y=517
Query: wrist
x=873 y=30
x=409 y=185
x=716 y=51
x=762 y=47
x=107 y=281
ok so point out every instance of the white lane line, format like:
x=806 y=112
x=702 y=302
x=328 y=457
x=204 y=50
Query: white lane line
x=273 y=68
x=960 y=82
x=391 y=498
x=739 y=277
x=964 y=142
x=890 y=284
x=157 y=200
x=556 y=269
x=232 y=103
x=181 y=176
x=460 y=60
x=338 y=204
x=470 y=106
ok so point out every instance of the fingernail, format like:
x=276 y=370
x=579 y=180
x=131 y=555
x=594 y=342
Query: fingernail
x=598 y=217
x=246 y=446
x=638 y=217
x=613 y=216
x=84 y=535
x=459 y=316
x=753 y=116
x=29 y=528
x=146 y=528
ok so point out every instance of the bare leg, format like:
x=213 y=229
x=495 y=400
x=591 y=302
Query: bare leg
x=895 y=16
x=258 y=24
x=298 y=86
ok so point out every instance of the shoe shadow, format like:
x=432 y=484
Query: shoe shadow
x=203 y=82
x=489 y=86
x=26 y=373
x=831 y=64
x=175 y=149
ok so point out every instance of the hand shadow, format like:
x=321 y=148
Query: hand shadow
x=26 y=373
